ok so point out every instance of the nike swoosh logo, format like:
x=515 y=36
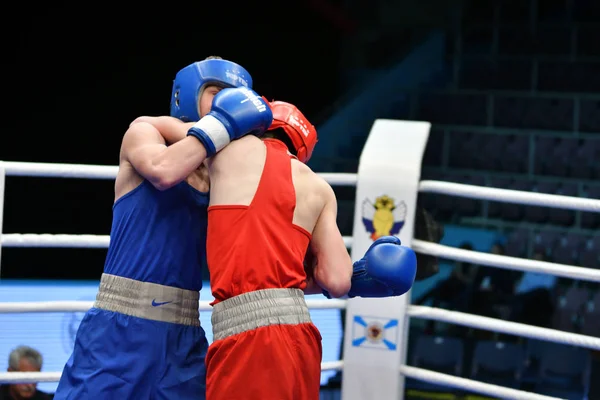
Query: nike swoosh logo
x=155 y=304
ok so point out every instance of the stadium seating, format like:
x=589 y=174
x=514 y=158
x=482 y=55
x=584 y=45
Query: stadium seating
x=498 y=363
x=437 y=353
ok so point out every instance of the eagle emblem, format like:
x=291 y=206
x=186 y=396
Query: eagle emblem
x=384 y=217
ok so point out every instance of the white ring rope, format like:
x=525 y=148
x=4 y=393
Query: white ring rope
x=506 y=262
x=458 y=318
x=332 y=365
x=420 y=246
x=83 y=171
x=83 y=306
x=29 y=377
x=56 y=170
x=33 y=377
x=50 y=240
x=411 y=372
x=53 y=170
x=502 y=326
x=475 y=386
x=510 y=196
x=69 y=240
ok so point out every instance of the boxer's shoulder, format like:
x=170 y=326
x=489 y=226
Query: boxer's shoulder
x=170 y=129
x=310 y=184
x=304 y=172
x=242 y=150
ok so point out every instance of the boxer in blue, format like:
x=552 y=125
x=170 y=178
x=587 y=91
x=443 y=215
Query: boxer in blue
x=143 y=339
x=393 y=278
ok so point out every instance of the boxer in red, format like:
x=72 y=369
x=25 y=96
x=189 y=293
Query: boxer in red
x=266 y=207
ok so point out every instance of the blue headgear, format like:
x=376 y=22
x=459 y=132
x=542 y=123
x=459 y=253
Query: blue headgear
x=191 y=80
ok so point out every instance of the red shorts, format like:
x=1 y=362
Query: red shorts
x=276 y=362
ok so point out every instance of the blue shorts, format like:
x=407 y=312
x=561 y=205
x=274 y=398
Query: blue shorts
x=118 y=356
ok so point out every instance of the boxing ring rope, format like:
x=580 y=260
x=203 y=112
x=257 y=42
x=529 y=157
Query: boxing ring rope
x=82 y=171
x=469 y=384
x=506 y=262
x=83 y=306
x=412 y=372
x=424 y=312
x=32 y=377
x=434 y=249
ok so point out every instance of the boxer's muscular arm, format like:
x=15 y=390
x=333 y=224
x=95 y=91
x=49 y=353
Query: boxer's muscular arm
x=333 y=269
x=172 y=129
x=145 y=149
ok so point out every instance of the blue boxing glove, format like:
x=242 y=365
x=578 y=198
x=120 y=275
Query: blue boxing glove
x=234 y=113
x=387 y=269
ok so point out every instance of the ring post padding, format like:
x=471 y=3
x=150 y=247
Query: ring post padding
x=376 y=329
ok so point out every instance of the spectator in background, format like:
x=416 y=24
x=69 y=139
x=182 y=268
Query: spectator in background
x=450 y=289
x=23 y=359
x=455 y=291
x=494 y=289
x=501 y=281
x=533 y=297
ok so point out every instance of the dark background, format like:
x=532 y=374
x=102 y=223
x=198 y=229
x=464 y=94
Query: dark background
x=75 y=79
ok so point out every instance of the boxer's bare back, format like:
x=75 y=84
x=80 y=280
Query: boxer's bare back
x=235 y=173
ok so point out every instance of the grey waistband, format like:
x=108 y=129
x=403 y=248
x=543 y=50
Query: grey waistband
x=253 y=310
x=148 y=300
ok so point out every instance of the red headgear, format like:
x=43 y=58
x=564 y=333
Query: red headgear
x=301 y=132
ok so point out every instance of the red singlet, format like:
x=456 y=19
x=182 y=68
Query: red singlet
x=251 y=248
x=257 y=246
